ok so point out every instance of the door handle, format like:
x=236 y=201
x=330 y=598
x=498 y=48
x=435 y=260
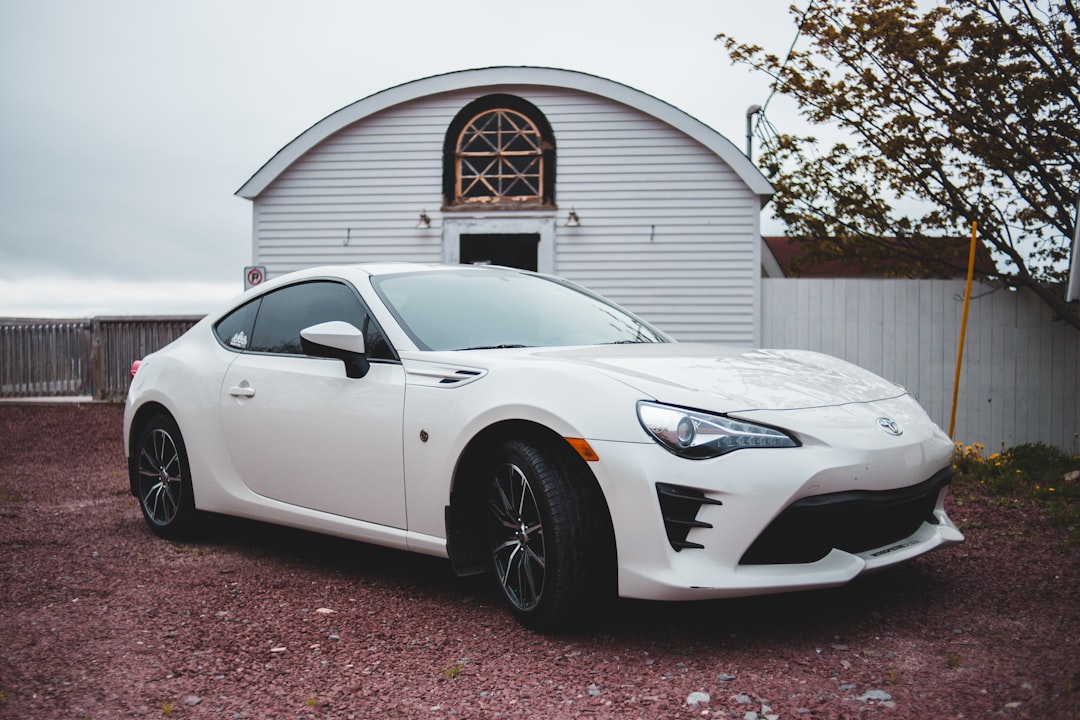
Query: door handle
x=243 y=390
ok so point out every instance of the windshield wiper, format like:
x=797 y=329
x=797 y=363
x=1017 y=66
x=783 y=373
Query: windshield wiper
x=494 y=347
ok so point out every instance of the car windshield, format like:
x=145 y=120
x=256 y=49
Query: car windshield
x=475 y=308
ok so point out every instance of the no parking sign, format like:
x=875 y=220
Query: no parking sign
x=254 y=275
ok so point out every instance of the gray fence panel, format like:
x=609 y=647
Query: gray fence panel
x=1020 y=379
x=65 y=358
x=41 y=358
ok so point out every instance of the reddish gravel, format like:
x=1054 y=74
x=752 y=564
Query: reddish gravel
x=99 y=619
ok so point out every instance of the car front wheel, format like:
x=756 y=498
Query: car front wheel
x=537 y=536
x=163 y=479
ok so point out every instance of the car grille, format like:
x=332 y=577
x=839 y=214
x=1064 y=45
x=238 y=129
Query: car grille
x=854 y=521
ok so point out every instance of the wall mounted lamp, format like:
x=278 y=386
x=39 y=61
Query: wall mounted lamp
x=572 y=219
x=425 y=221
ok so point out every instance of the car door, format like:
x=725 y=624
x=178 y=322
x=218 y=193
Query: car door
x=297 y=429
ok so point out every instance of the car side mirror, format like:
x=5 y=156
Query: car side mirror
x=340 y=340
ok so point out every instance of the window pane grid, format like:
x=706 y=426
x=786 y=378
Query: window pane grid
x=499 y=157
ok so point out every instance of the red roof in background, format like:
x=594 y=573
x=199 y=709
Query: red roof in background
x=786 y=250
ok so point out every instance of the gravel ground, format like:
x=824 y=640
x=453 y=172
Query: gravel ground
x=99 y=619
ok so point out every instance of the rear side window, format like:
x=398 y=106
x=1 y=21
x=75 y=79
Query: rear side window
x=234 y=330
x=272 y=324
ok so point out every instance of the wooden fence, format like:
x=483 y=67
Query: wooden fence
x=1020 y=379
x=79 y=358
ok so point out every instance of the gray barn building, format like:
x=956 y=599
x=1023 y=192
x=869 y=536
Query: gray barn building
x=540 y=168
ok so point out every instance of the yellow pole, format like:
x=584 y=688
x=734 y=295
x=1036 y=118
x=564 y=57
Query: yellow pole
x=963 y=329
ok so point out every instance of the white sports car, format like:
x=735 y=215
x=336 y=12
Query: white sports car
x=519 y=424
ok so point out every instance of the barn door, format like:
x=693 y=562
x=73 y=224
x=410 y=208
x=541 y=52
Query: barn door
x=517 y=250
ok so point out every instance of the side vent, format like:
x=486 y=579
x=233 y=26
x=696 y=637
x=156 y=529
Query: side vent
x=679 y=507
x=460 y=376
x=439 y=375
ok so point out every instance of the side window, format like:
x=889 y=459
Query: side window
x=234 y=330
x=284 y=313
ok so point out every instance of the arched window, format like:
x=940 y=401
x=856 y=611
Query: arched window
x=499 y=150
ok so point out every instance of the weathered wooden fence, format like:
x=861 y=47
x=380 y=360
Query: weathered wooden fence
x=88 y=358
x=1020 y=379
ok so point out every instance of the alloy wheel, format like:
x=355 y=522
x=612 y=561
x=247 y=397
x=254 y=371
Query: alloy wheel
x=518 y=547
x=160 y=479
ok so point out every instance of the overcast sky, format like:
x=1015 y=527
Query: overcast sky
x=127 y=125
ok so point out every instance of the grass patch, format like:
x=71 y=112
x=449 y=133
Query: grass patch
x=454 y=669
x=1033 y=472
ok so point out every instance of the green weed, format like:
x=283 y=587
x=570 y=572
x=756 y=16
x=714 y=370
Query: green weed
x=454 y=669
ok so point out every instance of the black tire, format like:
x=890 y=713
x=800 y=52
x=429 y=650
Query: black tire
x=539 y=541
x=162 y=479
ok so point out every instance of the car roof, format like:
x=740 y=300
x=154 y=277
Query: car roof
x=389 y=268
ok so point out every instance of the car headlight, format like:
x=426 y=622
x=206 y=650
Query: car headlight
x=699 y=435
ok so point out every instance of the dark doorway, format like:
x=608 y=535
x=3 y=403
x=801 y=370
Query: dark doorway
x=517 y=251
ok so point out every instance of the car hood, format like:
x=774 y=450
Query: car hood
x=726 y=379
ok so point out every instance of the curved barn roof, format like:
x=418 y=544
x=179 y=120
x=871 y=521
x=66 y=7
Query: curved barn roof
x=495 y=76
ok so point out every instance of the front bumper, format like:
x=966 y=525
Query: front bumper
x=766 y=521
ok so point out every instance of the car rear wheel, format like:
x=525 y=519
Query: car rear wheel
x=163 y=479
x=537 y=536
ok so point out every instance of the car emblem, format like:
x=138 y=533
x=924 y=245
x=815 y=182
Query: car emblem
x=890 y=426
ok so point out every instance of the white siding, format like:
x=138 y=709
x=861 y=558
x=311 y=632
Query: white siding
x=357 y=196
x=1020 y=380
x=667 y=228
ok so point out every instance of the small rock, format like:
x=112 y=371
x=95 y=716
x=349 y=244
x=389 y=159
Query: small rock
x=695 y=699
x=325 y=611
x=741 y=698
x=750 y=715
x=874 y=695
x=192 y=700
x=277 y=649
x=593 y=691
x=848 y=687
x=724 y=677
